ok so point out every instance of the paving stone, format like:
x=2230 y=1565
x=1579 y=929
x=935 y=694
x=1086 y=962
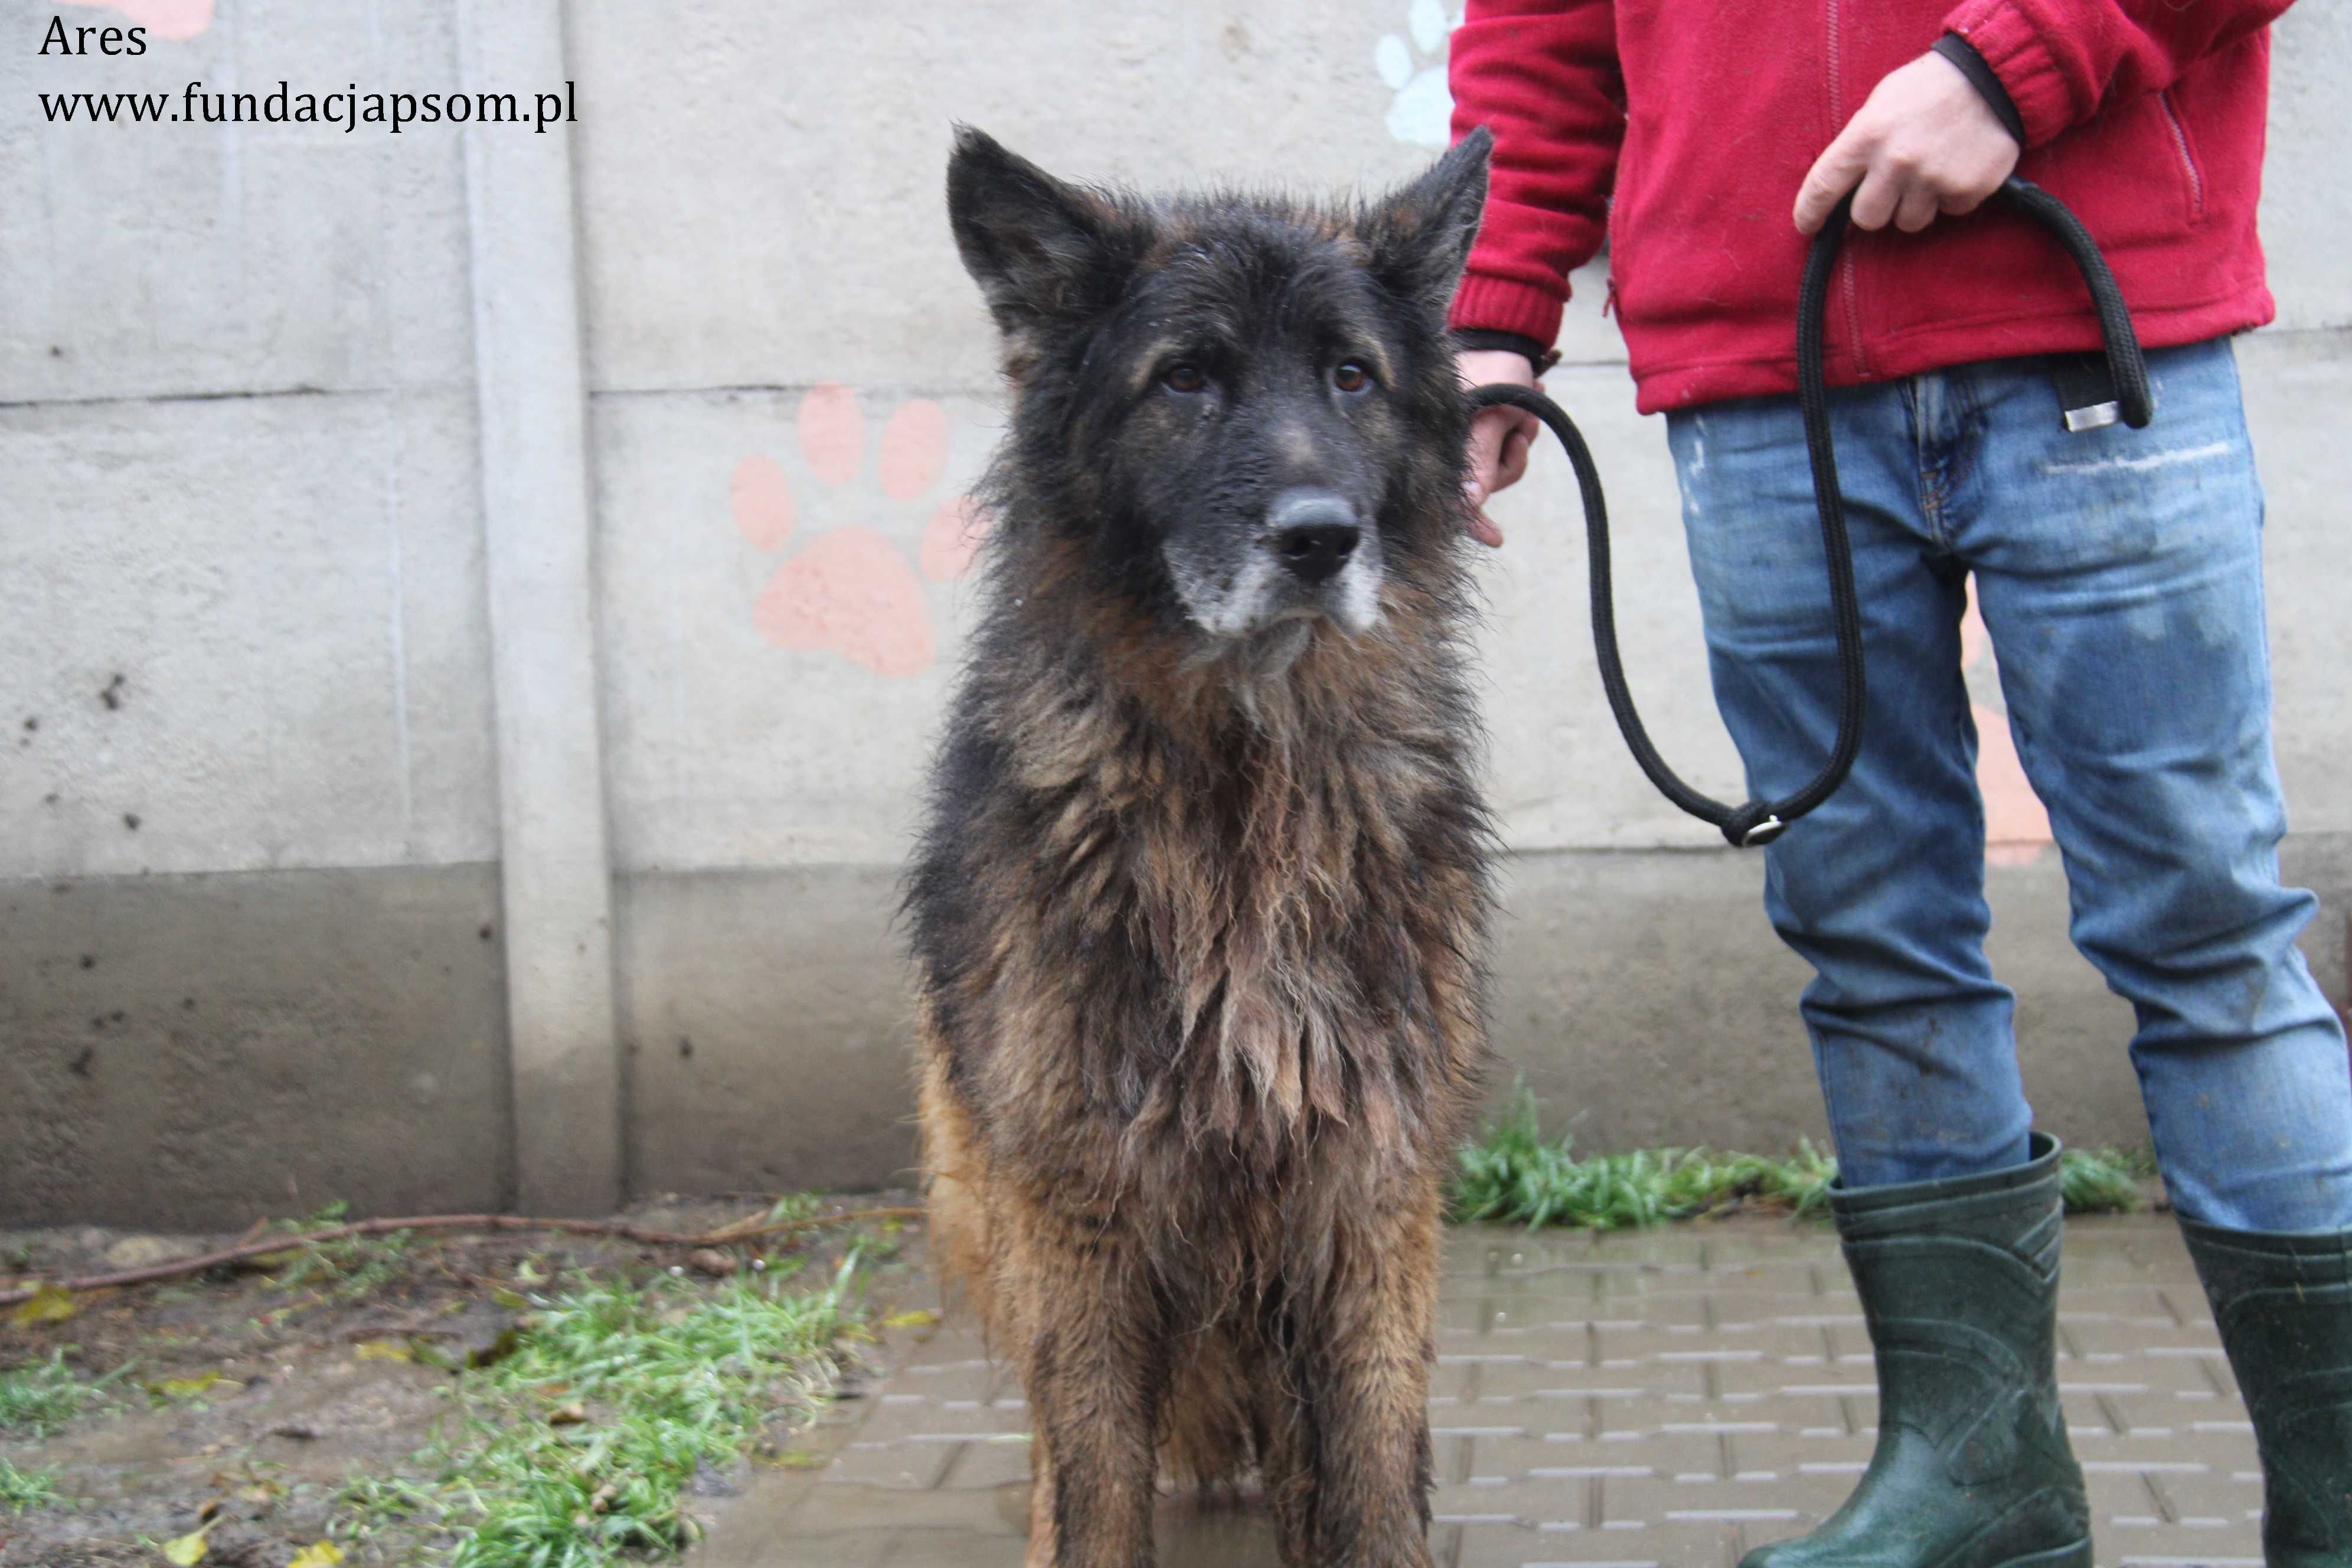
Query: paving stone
x=897 y=1418
x=983 y=1465
x=910 y=1467
x=924 y=1549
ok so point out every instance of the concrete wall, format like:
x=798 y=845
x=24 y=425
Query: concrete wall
x=474 y=606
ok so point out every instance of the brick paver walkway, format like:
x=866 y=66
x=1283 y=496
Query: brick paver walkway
x=1672 y=1398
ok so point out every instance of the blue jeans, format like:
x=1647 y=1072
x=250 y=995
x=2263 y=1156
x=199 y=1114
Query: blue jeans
x=2119 y=576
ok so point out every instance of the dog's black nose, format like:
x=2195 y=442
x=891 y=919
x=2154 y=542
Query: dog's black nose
x=1313 y=535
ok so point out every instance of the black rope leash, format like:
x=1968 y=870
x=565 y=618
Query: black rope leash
x=1759 y=822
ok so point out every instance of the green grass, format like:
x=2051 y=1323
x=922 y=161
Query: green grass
x=1514 y=1174
x=2104 y=1181
x=574 y=1450
x=21 y=1491
x=38 y=1398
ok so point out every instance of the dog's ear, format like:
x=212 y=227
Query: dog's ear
x=1038 y=246
x=1419 y=236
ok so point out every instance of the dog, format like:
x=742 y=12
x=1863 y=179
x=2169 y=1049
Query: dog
x=1199 y=914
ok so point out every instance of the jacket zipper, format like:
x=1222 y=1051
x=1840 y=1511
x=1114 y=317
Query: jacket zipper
x=2188 y=164
x=1847 y=285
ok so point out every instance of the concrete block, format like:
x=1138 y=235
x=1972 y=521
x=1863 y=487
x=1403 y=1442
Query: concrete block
x=714 y=214
x=175 y=259
x=289 y=590
x=769 y=1037
x=2307 y=213
x=728 y=747
x=2296 y=387
x=202 y=1052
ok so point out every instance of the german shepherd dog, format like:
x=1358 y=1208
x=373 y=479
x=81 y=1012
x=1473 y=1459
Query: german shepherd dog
x=1199 y=914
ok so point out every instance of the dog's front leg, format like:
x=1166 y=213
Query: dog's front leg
x=1368 y=1374
x=1096 y=1376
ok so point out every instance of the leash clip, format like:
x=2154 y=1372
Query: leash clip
x=2086 y=392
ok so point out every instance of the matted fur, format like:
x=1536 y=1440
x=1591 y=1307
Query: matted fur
x=1198 y=921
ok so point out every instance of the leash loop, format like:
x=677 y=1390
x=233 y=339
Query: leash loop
x=1759 y=822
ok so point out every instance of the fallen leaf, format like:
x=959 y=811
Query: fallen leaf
x=430 y=1354
x=570 y=1414
x=796 y=1459
x=711 y=1261
x=263 y=1262
x=48 y=1304
x=382 y=1350
x=318 y=1554
x=191 y=1387
x=512 y=1299
x=915 y=1320
x=188 y=1549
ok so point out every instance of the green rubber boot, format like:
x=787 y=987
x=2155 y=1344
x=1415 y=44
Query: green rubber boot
x=1960 y=1283
x=2285 y=1304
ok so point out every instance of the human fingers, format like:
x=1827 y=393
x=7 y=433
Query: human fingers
x=1875 y=199
x=1512 y=466
x=1833 y=173
x=1489 y=427
x=1917 y=208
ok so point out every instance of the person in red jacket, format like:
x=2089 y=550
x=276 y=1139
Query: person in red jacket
x=2119 y=575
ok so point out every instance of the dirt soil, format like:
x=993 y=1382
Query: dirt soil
x=255 y=1391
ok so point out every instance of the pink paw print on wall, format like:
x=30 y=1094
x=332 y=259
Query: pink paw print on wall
x=173 y=20
x=850 y=589
x=2017 y=827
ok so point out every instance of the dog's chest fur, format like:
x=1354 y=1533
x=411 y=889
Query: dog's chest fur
x=1245 y=926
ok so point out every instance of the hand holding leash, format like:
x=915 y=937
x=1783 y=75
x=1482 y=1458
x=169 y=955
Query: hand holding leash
x=1759 y=821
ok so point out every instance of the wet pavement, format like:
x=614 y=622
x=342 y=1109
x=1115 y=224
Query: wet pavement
x=1671 y=1398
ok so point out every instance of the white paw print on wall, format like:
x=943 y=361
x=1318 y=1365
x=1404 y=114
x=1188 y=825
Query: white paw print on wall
x=1421 y=113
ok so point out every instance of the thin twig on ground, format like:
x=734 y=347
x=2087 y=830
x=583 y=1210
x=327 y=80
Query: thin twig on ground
x=739 y=1231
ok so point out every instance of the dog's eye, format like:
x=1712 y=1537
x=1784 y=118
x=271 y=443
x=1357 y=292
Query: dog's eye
x=1349 y=376
x=1183 y=378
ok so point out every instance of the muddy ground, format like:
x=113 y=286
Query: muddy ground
x=254 y=1393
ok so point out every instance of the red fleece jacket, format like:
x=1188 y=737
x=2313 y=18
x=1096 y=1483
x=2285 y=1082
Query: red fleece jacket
x=1700 y=120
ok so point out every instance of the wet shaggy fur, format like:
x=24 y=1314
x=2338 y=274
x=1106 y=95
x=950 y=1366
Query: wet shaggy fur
x=1199 y=912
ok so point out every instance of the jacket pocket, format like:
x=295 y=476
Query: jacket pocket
x=2186 y=151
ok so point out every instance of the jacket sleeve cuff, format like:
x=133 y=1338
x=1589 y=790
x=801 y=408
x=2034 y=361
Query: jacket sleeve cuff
x=1506 y=305
x=2009 y=39
x=1981 y=76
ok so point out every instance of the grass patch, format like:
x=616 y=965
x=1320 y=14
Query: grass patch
x=41 y=1396
x=1512 y=1173
x=21 y=1491
x=576 y=1449
x=2104 y=1181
